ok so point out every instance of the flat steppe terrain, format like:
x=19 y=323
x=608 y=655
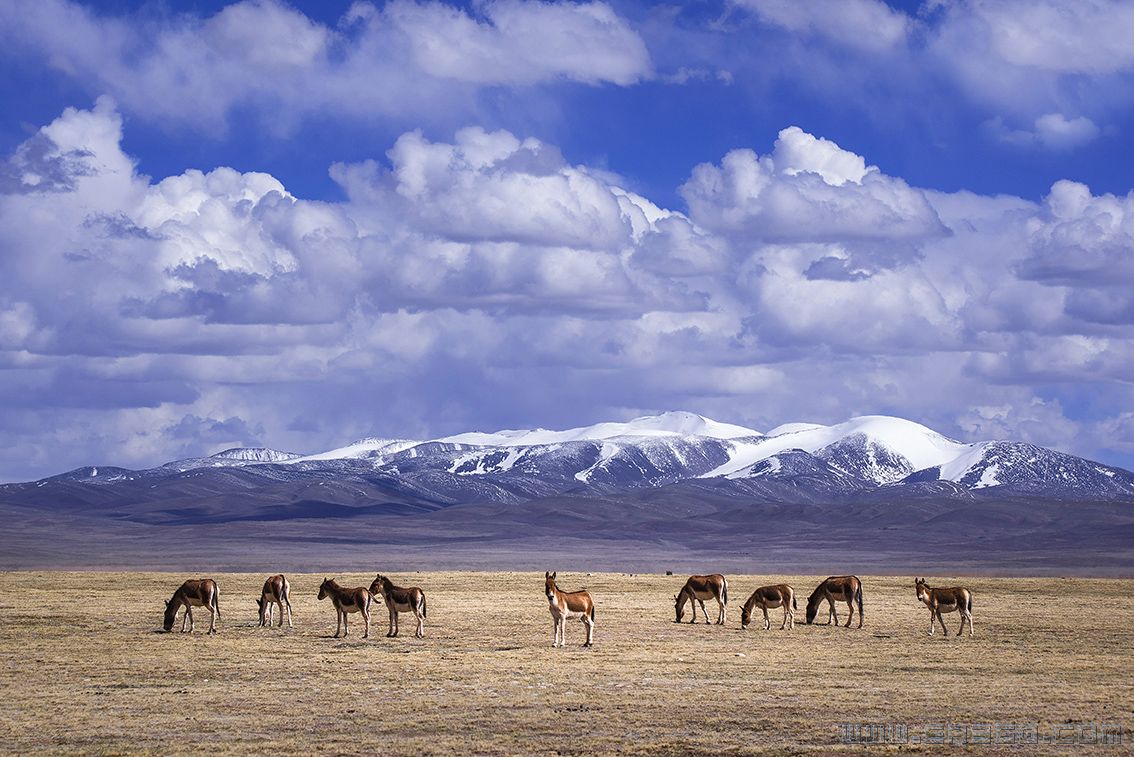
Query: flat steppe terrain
x=82 y=669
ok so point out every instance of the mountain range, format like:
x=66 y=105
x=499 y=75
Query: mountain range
x=640 y=479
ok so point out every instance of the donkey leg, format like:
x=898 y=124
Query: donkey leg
x=767 y=623
x=590 y=624
x=932 y=617
x=850 y=612
x=366 y=621
x=289 y=625
x=420 y=632
x=212 y=620
x=721 y=612
x=703 y=610
x=189 y=614
x=941 y=620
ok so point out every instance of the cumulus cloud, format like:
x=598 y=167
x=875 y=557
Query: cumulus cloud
x=811 y=190
x=1081 y=238
x=486 y=280
x=403 y=57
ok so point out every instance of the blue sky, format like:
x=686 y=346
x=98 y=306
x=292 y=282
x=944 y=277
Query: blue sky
x=296 y=224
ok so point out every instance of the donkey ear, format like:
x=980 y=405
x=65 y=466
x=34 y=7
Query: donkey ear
x=167 y=603
x=553 y=574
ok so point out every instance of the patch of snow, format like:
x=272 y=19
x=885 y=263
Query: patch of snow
x=988 y=477
x=482 y=466
x=959 y=466
x=606 y=453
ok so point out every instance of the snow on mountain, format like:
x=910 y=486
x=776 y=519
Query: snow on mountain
x=857 y=456
x=875 y=448
x=361 y=449
x=255 y=455
x=1028 y=468
x=672 y=424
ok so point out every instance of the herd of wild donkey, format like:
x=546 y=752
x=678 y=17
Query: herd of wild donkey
x=568 y=605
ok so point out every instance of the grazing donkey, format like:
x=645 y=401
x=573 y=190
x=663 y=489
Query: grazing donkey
x=276 y=592
x=844 y=588
x=201 y=592
x=346 y=600
x=770 y=597
x=568 y=605
x=397 y=599
x=957 y=598
x=696 y=590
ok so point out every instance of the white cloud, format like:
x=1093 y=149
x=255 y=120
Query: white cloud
x=464 y=283
x=403 y=58
x=1053 y=131
x=807 y=189
x=864 y=24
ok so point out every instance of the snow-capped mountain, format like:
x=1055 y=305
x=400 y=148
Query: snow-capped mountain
x=867 y=457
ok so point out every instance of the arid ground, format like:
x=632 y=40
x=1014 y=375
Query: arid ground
x=83 y=669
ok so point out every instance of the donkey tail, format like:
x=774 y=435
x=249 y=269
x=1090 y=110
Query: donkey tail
x=216 y=600
x=424 y=613
x=969 y=605
x=592 y=613
x=858 y=599
x=726 y=591
x=794 y=606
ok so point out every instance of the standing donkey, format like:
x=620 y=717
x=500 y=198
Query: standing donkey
x=346 y=600
x=770 y=597
x=568 y=605
x=397 y=599
x=276 y=592
x=957 y=598
x=201 y=592
x=844 y=588
x=696 y=590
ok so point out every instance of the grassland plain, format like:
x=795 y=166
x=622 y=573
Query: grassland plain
x=84 y=671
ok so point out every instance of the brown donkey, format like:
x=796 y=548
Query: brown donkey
x=201 y=592
x=397 y=599
x=956 y=598
x=568 y=605
x=696 y=590
x=346 y=600
x=276 y=592
x=843 y=588
x=771 y=597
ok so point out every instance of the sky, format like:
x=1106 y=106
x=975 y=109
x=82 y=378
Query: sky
x=300 y=224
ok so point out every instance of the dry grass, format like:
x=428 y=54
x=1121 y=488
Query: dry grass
x=92 y=676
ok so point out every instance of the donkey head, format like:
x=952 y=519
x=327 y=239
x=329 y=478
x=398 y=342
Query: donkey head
x=377 y=583
x=745 y=616
x=921 y=588
x=813 y=604
x=678 y=607
x=170 y=616
x=324 y=588
x=549 y=585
